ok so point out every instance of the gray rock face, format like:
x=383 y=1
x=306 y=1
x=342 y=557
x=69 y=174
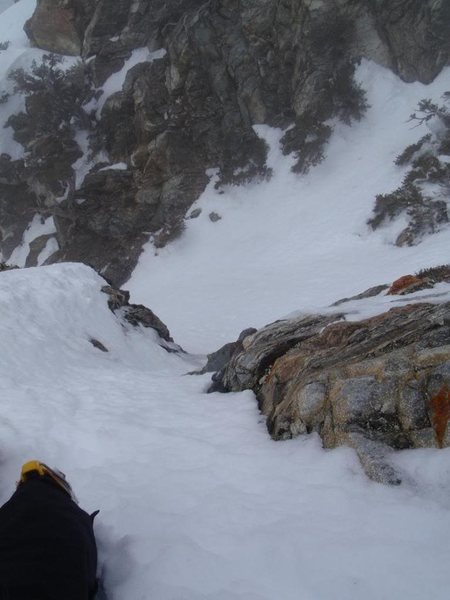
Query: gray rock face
x=374 y=457
x=376 y=385
x=36 y=247
x=264 y=347
x=138 y=315
x=219 y=359
x=117 y=28
x=15 y=202
x=229 y=64
x=54 y=26
x=417 y=34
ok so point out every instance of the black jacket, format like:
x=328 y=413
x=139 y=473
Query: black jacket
x=47 y=545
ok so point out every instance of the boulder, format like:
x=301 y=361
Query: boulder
x=220 y=358
x=36 y=247
x=138 y=315
x=417 y=34
x=54 y=27
x=377 y=385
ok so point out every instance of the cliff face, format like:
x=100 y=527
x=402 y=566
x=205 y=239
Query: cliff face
x=212 y=71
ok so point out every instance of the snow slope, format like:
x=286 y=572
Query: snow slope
x=4 y=4
x=197 y=502
x=293 y=243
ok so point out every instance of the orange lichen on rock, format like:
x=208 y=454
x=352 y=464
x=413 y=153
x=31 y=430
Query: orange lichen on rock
x=440 y=409
x=403 y=282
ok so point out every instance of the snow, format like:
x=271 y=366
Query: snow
x=116 y=167
x=38 y=226
x=82 y=165
x=4 y=4
x=196 y=500
x=293 y=243
x=50 y=248
x=115 y=82
x=365 y=308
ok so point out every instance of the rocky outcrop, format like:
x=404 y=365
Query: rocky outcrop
x=376 y=385
x=218 y=360
x=59 y=25
x=17 y=205
x=139 y=315
x=5 y=267
x=229 y=64
x=417 y=34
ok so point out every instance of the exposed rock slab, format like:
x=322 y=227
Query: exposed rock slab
x=216 y=361
x=54 y=26
x=139 y=315
x=417 y=34
x=376 y=385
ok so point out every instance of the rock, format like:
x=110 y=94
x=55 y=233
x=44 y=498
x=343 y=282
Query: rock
x=402 y=285
x=228 y=65
x=412 y=410
x=214 y=217
x=415 y=35
x=117 y=298
x=98 y=345
x=377 y=385
x=368 y=405
x=374 y=459
x=373 y=291
x=219 y=359
x=36 y=247
x=14 y=216
x=253 y=364
x=116 y=28
x=101 y=224
x=54 y=27
x=11 y=171
x=194 y=214
x=5 y=267
x=136 y=314
x=311 y=404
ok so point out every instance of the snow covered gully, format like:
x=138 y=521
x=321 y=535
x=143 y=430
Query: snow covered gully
x=196 y=500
